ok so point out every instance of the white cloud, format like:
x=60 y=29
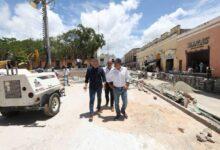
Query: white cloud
x=27 y=22
x=163 y=24
x=117 y=23
x=190 y=18
x=90 y=5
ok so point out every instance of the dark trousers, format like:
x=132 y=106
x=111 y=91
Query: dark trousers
x=92 y=93
x=109 y=92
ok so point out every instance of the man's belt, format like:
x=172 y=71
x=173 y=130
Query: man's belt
x=118 y=87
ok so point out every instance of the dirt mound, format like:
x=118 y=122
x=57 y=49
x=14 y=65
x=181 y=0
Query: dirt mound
x=184 y=87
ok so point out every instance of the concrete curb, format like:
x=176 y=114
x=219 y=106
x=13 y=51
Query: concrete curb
x=210 y=125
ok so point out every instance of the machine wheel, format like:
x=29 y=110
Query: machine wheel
x=8 y=114
x=52 y=107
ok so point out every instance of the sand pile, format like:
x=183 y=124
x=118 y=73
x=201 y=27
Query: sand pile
x=184 y=87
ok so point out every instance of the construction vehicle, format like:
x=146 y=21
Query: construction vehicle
x=21 y=90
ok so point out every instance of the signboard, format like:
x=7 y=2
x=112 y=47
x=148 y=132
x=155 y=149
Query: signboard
x=170 y=54
x=12 y=89
x=198 y=43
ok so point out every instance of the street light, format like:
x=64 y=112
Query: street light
x=38 y=4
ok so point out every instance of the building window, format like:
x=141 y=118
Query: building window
x=198 y=60
x=180 y=65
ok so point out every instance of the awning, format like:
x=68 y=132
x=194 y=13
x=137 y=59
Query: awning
x=152 y=61
x=152 y=64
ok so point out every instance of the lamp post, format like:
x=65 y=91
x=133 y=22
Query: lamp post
x=44 y=3
x=46 y=34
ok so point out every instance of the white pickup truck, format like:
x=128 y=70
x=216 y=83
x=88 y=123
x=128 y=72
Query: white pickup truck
x=23 y=91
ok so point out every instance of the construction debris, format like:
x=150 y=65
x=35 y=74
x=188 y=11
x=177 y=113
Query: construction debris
x=205 y=135
x=181 y=130
x=183 y=87
x=181 y=93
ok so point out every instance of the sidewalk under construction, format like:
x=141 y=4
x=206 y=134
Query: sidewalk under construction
x=207 y=102
x=152 y=124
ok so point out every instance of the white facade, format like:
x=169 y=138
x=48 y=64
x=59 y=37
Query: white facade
x=103 y=59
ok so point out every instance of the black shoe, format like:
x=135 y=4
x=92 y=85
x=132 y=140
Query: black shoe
x=117 y=117
x=112 y=109
x=99 y=110
x=125 y=115
x=90 y=117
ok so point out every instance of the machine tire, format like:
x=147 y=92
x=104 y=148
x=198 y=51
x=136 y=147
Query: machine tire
x=52 y=107
x=8 y=114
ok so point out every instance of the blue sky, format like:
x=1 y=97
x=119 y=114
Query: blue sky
x=125 y=24
x=70 y=10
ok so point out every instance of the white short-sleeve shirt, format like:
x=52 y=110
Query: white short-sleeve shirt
x=119 y=77
x=66 y=72
x=107 y=73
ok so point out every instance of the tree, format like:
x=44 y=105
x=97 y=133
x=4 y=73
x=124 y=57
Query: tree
x=82 y=42
x=5 y=46
x=20 y=51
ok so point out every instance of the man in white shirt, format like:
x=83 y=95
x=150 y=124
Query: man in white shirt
x=120 y=82
x=66 y=76
x=108 y=89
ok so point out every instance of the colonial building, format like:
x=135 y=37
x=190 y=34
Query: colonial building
x=200 y=47
x=103 y=58
x=130 y=58
x=161 y=51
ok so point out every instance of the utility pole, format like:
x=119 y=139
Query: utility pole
x=44 y=3
x=96 y=53
x=46 y=34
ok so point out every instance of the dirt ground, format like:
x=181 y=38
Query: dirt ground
x=151 y=124
x=209 y=102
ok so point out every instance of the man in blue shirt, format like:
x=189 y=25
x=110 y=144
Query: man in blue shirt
x=95 y=76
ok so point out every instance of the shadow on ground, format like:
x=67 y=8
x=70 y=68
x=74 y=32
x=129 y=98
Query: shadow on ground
x=109 y=118
x=104 y=118
x=87 y=114
x=26 y=119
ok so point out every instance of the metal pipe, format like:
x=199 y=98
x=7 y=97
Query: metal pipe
x=16 y=70
x=12 y=71
x=7 y=70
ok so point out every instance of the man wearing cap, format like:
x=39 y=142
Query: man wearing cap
x=108 y=89
x=119 y=83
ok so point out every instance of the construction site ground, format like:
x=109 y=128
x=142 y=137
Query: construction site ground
x=209 y=102
x=151 y=124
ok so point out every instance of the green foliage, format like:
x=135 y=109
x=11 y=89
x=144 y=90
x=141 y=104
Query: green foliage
x=81 y=42
x=13 y=49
